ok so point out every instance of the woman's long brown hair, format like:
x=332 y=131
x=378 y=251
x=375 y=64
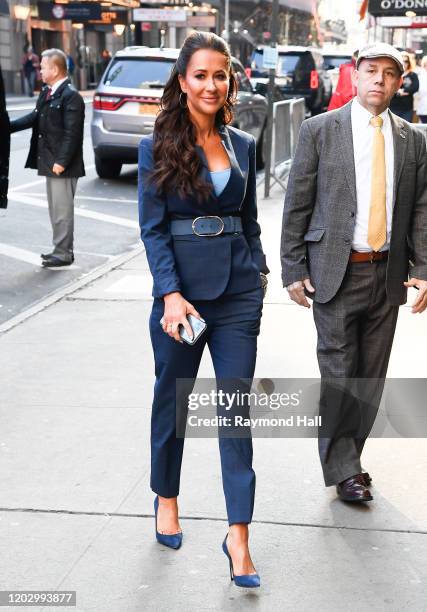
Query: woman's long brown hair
x=177 y=165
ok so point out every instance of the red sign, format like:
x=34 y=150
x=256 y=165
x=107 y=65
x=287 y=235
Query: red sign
x=419 y=22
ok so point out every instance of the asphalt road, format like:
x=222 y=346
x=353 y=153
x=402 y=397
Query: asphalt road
x=106 y=225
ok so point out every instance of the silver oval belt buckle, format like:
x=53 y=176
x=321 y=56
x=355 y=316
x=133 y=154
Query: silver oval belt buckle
x=221 y=227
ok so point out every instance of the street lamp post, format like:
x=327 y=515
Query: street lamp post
x=270 y=96
x=226 y=31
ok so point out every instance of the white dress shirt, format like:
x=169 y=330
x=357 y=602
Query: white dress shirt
x=363 y=134
x=56 y=85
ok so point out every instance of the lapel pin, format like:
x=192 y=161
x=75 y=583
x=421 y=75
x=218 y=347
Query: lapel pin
x=403 y=134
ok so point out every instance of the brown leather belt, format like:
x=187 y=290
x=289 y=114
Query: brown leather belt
x=356 y=257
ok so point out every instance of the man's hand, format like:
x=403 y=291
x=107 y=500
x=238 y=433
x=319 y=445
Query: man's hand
x=296 y=292
x=58 y=169
x=420 y=303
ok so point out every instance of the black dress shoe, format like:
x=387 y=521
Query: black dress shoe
x=354 y=489
x=46 y=255
x=367 y=479
x=55 y=262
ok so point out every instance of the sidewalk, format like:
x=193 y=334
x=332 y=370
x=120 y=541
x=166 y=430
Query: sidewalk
x=77 y=510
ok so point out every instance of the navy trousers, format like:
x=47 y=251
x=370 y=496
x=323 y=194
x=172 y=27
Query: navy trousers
x=233 y=327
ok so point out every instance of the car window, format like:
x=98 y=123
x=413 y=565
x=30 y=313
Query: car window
x=242 y=80
x=297 y=63
x=330 y=61
x=257 y=58
x=139 y=73
x=288 y=63
x=318 y=58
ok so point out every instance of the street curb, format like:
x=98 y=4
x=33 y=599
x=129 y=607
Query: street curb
x=74 y=286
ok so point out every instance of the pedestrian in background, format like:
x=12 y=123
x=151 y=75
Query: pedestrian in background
x=422 y=92
x=31 y=70
x=358 y=172
x=402 y=103
x=4 y=146
x=198 y=218
x=345 y=90
x=70 y=67
x=105 y=59
x=56 y=150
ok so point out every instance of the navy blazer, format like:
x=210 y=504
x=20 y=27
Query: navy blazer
x=203 y=267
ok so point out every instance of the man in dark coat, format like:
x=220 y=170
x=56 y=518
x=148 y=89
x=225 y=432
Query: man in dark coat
x=56 y=150
x=4 y=146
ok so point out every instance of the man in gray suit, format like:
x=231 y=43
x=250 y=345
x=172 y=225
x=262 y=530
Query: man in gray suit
x=354 y=227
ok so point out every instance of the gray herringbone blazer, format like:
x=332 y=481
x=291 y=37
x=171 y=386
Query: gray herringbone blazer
x=320 y=206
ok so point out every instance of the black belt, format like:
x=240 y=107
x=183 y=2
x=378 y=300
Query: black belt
x=206 y=226
x=371 y=256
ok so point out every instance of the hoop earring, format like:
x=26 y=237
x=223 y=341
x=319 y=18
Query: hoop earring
x=180 y=100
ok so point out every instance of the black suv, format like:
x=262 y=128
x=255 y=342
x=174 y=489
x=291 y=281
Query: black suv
x=300 y=73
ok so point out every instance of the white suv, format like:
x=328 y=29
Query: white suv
x=127 y=99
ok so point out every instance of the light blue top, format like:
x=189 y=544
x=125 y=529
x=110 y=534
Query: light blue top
x=220 y=179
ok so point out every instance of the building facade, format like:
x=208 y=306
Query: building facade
x=81 y=29
x=84 y=29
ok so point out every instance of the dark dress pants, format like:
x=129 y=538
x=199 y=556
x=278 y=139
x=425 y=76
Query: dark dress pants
x=355 y=334
x=233 y=326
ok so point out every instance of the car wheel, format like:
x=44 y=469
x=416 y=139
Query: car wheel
x=260 y=150
x=107 y=168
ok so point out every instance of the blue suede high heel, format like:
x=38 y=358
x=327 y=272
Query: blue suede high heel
x=173 y=540
x=249 y=581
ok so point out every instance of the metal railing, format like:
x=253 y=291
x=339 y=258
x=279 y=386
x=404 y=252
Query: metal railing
x=287 y=118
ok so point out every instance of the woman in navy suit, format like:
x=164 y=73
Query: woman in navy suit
x=198 y=218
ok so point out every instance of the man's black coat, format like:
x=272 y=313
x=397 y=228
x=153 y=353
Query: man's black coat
x=4 y=146
x=57 y=132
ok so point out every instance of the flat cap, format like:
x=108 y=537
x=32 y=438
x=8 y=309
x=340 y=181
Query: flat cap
x=380 y=49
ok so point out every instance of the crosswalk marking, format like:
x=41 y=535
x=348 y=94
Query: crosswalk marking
x=94 y=198
x=39 y=181
x=21 y=254
x=81 y=212
x=19 y=187
x=28 y=257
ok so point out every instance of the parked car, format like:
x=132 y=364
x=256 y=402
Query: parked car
x=300 y=73
x=332 y=63
x=126 y=103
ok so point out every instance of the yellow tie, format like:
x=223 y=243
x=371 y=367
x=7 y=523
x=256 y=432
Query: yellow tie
x=377 y=227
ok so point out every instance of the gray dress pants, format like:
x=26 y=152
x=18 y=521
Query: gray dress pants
x=355 y=333
x=60 y=198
